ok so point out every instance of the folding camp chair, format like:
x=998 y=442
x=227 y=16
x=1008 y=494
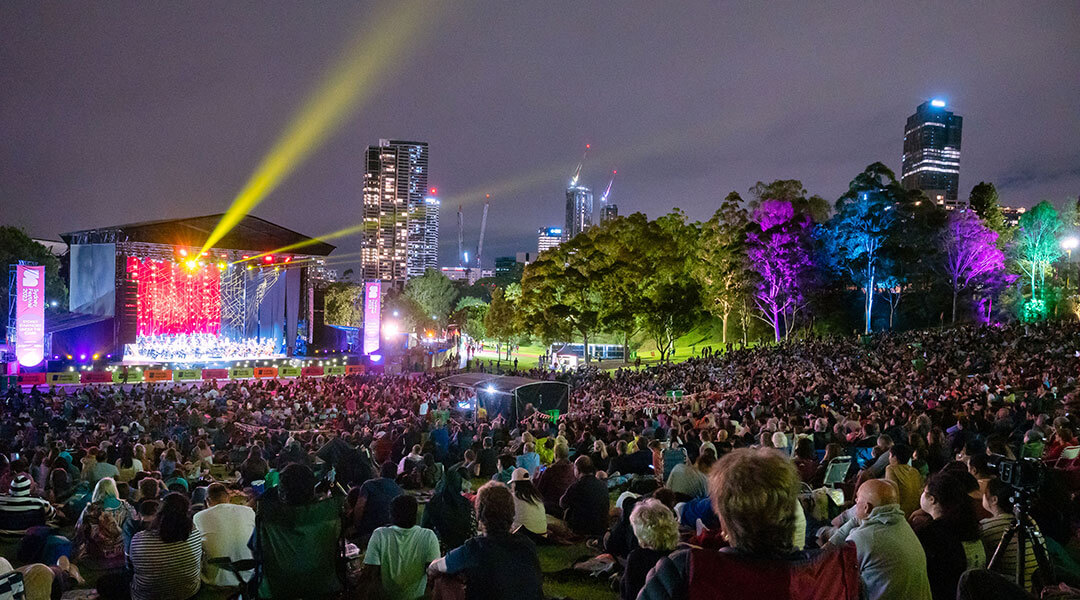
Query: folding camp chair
x=835 y=474
x=1067 y=457
x=11 y=586
x=248 y=588
x=299 y=550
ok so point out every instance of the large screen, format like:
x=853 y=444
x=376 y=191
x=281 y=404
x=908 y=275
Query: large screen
x=93 y=279
x=175 y=299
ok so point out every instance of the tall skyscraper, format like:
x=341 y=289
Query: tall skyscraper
x=932 y=153
x=395 y=236
x=548 y=237
x=429 y=256
x=579 y=205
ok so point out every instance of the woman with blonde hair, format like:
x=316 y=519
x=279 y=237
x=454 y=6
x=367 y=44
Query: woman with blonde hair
x=657 y=533
x=99 y=534
x=755 y=493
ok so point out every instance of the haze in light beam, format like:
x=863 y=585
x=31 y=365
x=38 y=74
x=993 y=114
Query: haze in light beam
x=315 y=240
x=352 y=80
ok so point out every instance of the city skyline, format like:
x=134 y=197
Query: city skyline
x=158 y=114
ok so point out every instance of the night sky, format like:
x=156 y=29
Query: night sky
x=115 y=112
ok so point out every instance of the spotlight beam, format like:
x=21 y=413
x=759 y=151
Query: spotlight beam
x=315 y=240
x=352 y=81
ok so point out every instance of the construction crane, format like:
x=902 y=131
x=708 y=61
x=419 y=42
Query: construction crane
x=577 y=171
x=483 y=226
x=603 y=199
x=460 y=237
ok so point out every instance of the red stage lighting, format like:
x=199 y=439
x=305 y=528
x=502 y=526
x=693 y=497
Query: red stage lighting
x=172 y=300
x=268 y=258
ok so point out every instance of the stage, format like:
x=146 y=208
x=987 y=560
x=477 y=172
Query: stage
x=152 y=295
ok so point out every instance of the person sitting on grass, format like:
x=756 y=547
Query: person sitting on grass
x=586 y=501
x=755 y=494
x=657 y=534
x=398 y=555
x=498 y=565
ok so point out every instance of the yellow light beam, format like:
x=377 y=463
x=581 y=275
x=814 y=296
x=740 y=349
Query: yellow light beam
x=350 y=82
x=315 y=240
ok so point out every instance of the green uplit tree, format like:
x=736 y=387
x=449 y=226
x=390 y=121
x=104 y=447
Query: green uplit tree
x=501 y=321
x=721 y=269
x=560 y=291
x=1037 y=245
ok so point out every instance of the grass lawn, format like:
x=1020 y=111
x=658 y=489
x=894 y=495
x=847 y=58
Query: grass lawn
x=687 y=346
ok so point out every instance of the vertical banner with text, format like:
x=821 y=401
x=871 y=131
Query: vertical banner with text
x=29 y=315
x=372 y=306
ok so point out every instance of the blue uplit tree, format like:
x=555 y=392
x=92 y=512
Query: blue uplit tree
x=856 y=236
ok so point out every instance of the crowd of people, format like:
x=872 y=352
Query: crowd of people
x=871 y=467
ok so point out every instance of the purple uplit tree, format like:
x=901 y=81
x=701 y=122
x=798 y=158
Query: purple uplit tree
x=778 y=252
x=970 y=251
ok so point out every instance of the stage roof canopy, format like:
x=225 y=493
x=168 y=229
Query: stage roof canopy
x=509 y=396
x=251 y=233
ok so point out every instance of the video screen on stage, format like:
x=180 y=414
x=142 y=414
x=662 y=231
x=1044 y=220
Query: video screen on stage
x=181 y=317
x=174 y=299
x=93 y=279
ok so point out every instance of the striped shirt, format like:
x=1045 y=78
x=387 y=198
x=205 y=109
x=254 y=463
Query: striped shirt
x=165 y=571
x=19 y=513
x=991 y=531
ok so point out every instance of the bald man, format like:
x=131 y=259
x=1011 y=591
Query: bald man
x=891 y=558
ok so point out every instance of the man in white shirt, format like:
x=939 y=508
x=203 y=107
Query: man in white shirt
x=398 y=555
x=226 y=529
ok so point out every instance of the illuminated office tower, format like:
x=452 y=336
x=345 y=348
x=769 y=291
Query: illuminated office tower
x=395 y=223
x=429 y=253
x=579 y=204
x=548 y=237
x=932 y=153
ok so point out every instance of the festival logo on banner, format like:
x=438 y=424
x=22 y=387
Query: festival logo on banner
x=30 y=315
x=372 y=306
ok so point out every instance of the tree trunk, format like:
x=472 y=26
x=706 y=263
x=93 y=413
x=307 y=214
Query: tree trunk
x=869 y=300
x=723 y=326
x=745 y=321
x=954 y=295
x=585 y=335
x=626 y=348
x=776 y=324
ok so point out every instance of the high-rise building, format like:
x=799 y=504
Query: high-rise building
x=578 y=210
x=932 y=153
x=395 y=236
x=548 y=237
x=608 y=211
x=429 y=253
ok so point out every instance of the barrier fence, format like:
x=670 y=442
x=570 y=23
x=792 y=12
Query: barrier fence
x=165 y=375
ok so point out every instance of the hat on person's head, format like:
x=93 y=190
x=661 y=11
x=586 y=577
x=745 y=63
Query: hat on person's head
x=519 y=474
x=20 y=486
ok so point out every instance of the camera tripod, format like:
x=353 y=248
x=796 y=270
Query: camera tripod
x=1026 y=533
